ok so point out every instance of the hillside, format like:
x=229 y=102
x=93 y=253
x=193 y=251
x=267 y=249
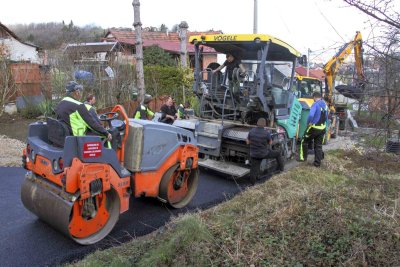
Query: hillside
x=345 y=213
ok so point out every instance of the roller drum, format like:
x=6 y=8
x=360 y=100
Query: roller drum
x=56 y=207
x=44 y=200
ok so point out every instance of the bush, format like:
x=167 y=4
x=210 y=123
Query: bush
x=154 y=55
x=172 y=81
x=31 y=112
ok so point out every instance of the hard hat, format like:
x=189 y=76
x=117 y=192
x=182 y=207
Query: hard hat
x=147 y=98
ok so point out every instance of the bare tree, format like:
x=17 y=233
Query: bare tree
x=7 y=84
x=382 y=11
x=384 y=45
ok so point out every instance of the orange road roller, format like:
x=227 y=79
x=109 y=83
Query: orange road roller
x=80 y=184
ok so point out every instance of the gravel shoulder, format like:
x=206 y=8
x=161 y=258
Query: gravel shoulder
x=11 y=152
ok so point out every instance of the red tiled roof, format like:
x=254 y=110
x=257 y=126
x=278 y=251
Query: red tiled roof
x=318 y=73
x=315 y=73
x=167 y=41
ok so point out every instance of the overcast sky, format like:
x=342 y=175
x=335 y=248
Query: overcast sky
x=320 y=25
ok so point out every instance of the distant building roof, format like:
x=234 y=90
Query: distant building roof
x=315 y=73
x=12 y=34
x=91 y=47
x=167 y=41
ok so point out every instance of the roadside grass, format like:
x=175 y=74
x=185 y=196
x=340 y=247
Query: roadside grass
x=345 y=213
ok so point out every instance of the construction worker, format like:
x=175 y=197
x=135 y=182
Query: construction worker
x=182 y=114
x=168 y=112
x=76 y=115
x=89 y=103
x=143 y=111
x=316 y=130
x=232 y=63
x=260 y=140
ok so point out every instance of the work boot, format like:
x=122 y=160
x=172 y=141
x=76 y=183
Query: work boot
x=281 y=163
x=253 y=180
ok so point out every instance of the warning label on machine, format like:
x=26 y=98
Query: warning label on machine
x=92 y=150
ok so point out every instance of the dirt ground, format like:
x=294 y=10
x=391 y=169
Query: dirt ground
x=15 y=126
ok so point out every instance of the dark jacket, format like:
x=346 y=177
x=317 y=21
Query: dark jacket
x=167 y=110
x=92 y=112
x=230 y=66
x=259 y=142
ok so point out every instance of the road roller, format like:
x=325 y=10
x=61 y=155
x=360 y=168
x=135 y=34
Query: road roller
x=81 y=184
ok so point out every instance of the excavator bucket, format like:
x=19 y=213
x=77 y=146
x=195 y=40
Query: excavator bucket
x=350 y=91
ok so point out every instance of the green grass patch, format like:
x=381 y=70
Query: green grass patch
x=345 y=213
x=180 y=241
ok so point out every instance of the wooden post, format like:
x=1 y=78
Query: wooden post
x=139 y=50
x=183 y=26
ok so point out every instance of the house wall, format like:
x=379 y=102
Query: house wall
x=19 y=51
x=209 y=58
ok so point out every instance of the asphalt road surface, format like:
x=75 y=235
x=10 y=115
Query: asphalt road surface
x=27 y=241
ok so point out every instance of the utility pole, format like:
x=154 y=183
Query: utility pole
x=139 y=50
x=308 y=61
x=255 y=21
x=183 y=26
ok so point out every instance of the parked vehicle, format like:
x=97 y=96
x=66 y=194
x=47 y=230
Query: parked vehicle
x=264 y=92
x=79 y=186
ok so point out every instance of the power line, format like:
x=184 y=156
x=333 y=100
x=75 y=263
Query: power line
x=329 y=22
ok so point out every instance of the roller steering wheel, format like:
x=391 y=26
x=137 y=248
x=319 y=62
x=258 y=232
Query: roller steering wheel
x=108 y=117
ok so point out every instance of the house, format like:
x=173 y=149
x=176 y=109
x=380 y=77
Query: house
x=30 y=80
x=15 y=49
x=168 y=41
x=90 y=59
x=100 y=51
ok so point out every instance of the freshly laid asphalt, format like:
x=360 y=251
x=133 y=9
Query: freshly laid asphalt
x=27 y=241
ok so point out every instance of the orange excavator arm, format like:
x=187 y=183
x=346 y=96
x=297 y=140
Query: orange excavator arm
x=332 y=66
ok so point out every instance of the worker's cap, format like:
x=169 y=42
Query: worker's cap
x=261 y=122
x=72 y=86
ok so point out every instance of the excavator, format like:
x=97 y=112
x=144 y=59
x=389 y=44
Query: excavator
x=79 y=186
x=336 y=103
x=225 y=119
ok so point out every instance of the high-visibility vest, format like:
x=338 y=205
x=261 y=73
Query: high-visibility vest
x=78 y=124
